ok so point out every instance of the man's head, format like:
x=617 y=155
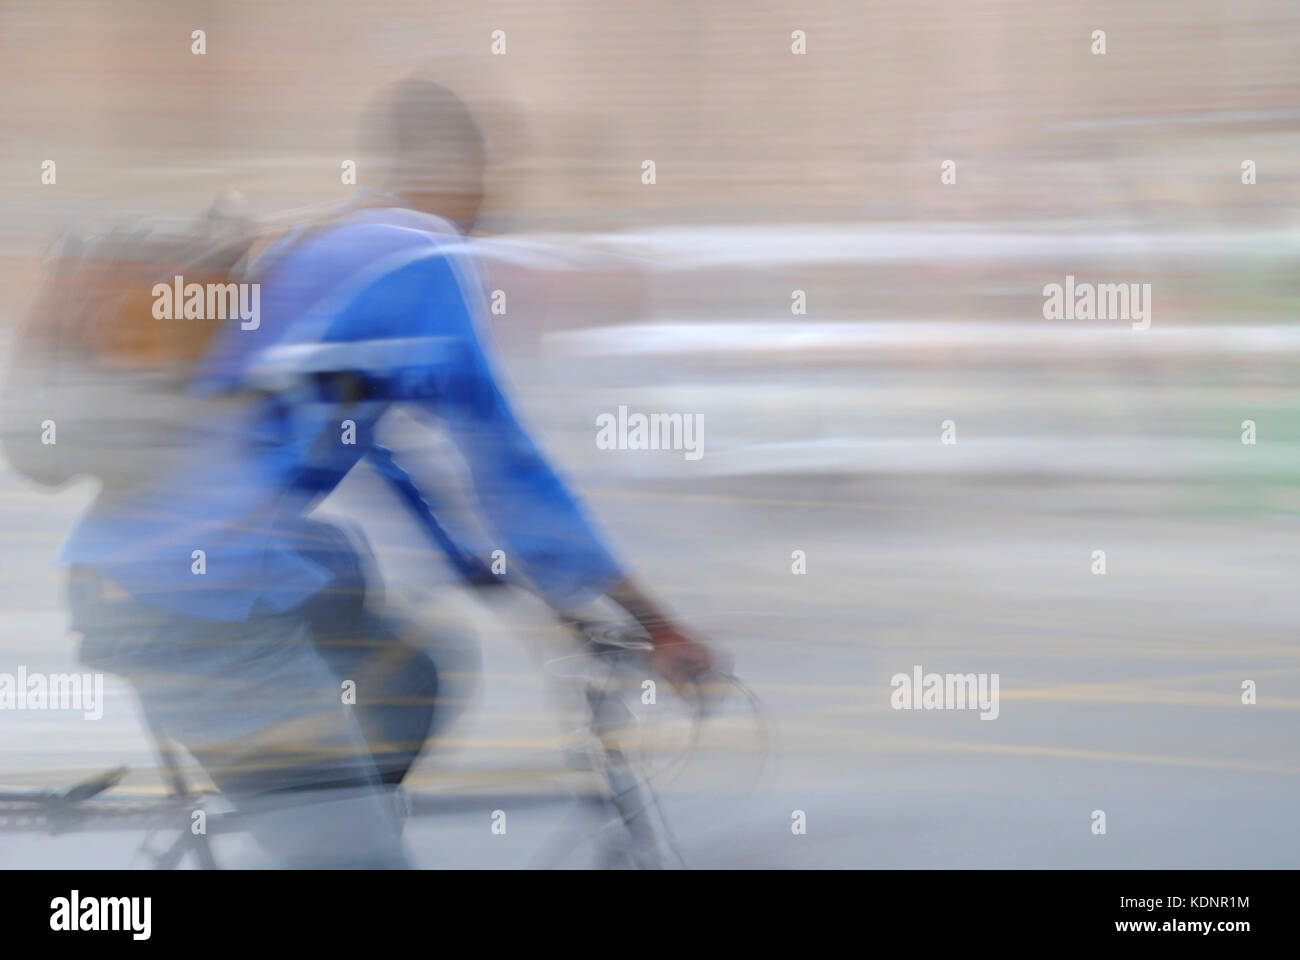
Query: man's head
x=429 y=149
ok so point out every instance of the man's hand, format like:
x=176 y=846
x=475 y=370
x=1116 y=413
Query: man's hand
x=679 y=658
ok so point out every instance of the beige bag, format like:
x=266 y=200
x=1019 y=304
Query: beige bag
x=96 y=384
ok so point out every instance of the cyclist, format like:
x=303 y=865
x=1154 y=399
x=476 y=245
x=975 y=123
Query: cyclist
x=213 y=592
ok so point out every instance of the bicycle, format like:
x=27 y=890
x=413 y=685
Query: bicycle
x=632 y=832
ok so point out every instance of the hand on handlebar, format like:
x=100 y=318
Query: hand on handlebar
x=683 y=660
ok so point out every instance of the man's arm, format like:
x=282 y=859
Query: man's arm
x=526 y=502
x=677 y=656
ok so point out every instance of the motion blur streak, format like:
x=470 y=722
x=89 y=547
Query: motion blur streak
x=816 y=244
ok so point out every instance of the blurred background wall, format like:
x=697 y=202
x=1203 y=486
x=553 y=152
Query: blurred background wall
x=739 y=127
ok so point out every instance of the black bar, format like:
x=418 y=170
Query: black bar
x=931 y=913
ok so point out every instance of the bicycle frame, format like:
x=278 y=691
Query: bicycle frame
x=624 y=793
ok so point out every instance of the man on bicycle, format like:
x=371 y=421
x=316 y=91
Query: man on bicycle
x=212 y=591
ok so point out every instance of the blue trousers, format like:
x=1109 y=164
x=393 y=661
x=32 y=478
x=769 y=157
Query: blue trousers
x=302 y=719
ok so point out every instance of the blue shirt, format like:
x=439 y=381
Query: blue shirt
x=389 y=296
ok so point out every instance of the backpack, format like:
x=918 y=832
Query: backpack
x=97 y=386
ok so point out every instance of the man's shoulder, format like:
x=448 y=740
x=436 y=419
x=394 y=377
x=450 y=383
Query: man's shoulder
x=403 y=218
x=370 y=244
x=399 y=227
